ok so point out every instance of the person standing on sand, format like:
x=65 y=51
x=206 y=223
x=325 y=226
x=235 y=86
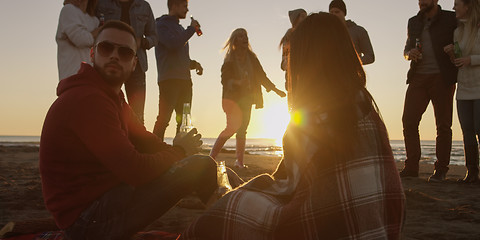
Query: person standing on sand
x=104 y=176
x=242 y=80
x=467 y=58
x=359 y=35
x=174 y=65
x=432 y=77
x=338 y=178
x=296 y=17
x=77 y=29
x=139 y=15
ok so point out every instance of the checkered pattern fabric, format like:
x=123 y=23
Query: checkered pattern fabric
x=324 y=194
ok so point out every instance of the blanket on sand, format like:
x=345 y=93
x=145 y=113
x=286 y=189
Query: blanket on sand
x=317 y=192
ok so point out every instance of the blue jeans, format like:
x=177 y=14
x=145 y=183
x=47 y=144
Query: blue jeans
x=469 y=116
x=136 y=91
x=125 y=210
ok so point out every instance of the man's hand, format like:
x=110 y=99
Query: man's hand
x=450 y=52
x=190 y=142
x=414 y=55
x=194 y=23
x=197 y=66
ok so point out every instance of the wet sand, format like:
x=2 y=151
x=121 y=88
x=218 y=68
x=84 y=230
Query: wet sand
x=445 y=210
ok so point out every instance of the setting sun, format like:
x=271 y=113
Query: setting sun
x=275 y=119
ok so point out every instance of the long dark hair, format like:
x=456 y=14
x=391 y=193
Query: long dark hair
x=91 y=7
x=327 y=75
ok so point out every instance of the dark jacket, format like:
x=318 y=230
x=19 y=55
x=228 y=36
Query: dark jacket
x=235 y=92
x=172 y=50
x=441 y=31
x=91 y=142
x=362 y=43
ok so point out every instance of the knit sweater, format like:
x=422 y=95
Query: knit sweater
x=74 y=39
x=469 y=76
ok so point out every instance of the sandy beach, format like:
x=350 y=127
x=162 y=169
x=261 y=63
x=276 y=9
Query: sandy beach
x=434 y=210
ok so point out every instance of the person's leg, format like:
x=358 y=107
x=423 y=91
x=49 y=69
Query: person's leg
x=136 y=92
x=184 y=96
x=125 y=210
x=234 y=121
x=468 y=117
x=167 y=99
x=442 y=100
x=241 y=136
x=416 y=102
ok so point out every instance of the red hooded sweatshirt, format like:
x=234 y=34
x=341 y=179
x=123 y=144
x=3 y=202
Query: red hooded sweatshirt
x=91 y=142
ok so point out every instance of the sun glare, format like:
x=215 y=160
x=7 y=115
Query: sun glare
x=275 y=121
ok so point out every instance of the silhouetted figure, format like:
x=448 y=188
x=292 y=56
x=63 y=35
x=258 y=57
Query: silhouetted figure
x=139 y=15
x=174 y=65
x=296 y=16
x=466 y=56
x=77 y=28
x=242 y=79
x=431 y=77
x=103 y=175
x=338 y=178
x=359 y=35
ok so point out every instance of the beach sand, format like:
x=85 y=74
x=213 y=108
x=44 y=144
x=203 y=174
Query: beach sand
x=445 y=210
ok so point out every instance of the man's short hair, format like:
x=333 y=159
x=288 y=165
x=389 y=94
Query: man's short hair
x=170 y=3
x=119 y=25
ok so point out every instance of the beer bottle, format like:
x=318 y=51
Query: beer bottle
x=197 y=28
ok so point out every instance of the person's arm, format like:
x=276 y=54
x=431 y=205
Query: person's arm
x=197 y=66
x=150 y=34
x=73 y=28
x=410 y=52
x=269 y=86
x=366 y=48
x=97 y=124
x=172 y=39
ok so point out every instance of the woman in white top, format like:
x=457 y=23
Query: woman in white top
x=466 y=56
x=77 y=27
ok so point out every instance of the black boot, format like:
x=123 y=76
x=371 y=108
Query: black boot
x=471 y=161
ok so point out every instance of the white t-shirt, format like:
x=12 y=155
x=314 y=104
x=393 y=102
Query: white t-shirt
x=74 y=39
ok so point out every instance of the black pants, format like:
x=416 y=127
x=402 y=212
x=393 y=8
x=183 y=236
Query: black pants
x=173 y=94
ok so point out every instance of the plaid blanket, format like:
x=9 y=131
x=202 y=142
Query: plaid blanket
x=318 y=196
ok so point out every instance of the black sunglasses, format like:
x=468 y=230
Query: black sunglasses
x=106 y=48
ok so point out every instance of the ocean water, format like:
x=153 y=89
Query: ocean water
x=270 y=147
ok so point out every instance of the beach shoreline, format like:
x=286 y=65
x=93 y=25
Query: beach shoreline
x=445 y=210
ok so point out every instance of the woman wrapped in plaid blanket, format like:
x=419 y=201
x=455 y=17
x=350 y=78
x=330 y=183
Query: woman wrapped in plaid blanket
x=338 y=179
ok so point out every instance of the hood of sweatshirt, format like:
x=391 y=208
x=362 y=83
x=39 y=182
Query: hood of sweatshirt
x=86 y=76
x=169 y=18
x=351 y=23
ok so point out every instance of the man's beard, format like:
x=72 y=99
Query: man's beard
x=113 y=79
x=426 y=7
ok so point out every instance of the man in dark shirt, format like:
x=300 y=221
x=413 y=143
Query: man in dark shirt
x=431 y=77
x=103 y=175
x=174 y=64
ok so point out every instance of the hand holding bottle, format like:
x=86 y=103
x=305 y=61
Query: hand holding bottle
x=190 y=142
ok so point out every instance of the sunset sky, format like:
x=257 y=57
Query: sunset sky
x=28 y=75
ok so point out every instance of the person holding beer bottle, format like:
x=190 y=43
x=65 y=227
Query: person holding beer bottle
x=174 y=64
x=431 y=79
x=465 y=54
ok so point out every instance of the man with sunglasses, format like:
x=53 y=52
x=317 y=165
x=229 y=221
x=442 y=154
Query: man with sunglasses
x=139 y=15
x=103 y=175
